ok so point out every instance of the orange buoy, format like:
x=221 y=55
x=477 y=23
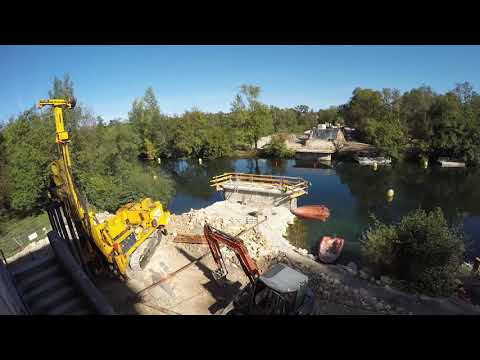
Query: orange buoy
x=312 y=212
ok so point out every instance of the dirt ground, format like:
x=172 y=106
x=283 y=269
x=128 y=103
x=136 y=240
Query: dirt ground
x=192 y=291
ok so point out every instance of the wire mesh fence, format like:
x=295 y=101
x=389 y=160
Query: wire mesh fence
x=16 y=240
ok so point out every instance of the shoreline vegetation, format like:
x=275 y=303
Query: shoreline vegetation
x=418 y=124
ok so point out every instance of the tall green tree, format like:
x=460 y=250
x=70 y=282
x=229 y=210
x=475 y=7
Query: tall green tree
x=64 y=89
x=331 y=115
x=387 y=135
x=30 y=146
x=415 y=106
x=252 y=114
x=364 y=104
x=149 y=123
x=391 y=102
x=464 y=92
x=456 y=131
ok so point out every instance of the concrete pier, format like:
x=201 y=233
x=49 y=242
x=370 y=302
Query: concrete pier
x=315 y=155
x=261 y=190
x=253 y=194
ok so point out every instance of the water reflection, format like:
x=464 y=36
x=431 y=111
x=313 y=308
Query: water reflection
x=352 y=193
x=297 y=234
x=313 y=164
x=192 y=182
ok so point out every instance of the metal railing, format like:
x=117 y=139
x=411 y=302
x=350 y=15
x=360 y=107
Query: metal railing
x=285 y=183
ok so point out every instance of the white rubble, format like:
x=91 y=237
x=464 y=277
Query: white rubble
x=265 y=240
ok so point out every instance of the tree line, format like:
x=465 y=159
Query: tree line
x=106 y=155
x=419 y=121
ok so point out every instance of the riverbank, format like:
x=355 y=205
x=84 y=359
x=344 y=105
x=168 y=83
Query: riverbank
x=339 y=289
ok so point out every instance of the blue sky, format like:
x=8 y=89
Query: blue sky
x=109 y=78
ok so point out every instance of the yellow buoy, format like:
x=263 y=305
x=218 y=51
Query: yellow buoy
x=425 y=163
x=375 y=166
x=390 y=193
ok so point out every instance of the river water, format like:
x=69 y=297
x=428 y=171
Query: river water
x=352 y=193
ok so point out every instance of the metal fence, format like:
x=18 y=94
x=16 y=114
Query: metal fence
x=13 y=243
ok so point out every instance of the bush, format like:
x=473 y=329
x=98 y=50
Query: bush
x=421 y=250
x=388 y=136
x=132 y=183
x=277 y=148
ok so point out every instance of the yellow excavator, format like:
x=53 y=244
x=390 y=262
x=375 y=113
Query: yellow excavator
x=122 y=241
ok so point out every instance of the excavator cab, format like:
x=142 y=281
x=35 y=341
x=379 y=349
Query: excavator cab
x=279 y=291
x=282 y=291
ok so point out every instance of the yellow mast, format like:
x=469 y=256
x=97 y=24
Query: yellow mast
x=62 y=169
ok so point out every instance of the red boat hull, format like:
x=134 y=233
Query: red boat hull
x=312 y=212
x=330 y=249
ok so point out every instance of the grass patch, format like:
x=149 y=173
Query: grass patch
x=14 y=232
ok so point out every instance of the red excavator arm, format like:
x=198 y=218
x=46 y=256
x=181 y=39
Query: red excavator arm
x=216 y=237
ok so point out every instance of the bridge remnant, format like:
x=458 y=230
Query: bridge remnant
x=264 y=190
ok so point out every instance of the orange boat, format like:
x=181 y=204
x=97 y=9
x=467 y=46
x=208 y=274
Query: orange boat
x=330 y=249
x=312 y=212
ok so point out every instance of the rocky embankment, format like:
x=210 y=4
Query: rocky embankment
x=341 y=289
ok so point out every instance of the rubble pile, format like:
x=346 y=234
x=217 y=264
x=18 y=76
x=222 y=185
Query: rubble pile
x=258 y=247
x=331 y=289
x=101 y=217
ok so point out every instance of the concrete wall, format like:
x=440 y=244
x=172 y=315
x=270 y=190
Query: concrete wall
x=264 y=141
x=253 y=197
x=320 y=145
x=312 y=156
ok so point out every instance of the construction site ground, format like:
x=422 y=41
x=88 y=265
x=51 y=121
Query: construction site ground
x=342 y=290
x=193 y=291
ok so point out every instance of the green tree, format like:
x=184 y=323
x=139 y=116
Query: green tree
x=464 y=92
x=330 y=115
x=149 y=123
x=391 y=103
x=415 y=111
x=387 y=135
x=306 y=117
x=29 y=144
x=364 y=104
x=63 y=89
x=285 y=120
x=250 y=113
x=188 y=134
x=277 y=148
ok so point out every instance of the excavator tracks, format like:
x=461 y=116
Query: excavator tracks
x=139 y=259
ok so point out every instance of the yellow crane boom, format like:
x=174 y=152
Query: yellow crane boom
x=119 y=236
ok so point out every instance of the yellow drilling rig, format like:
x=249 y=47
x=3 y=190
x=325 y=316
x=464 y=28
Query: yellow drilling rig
x=123 y=241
